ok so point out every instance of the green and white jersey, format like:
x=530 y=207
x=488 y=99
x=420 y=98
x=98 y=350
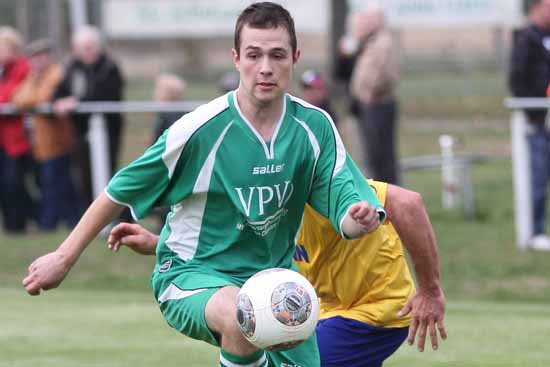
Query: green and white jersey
x=236 y=200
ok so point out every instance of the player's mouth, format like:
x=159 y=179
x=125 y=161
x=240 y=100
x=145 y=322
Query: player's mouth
x=266 y=85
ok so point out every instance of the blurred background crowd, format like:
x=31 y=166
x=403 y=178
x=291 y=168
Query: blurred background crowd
x=373 y=66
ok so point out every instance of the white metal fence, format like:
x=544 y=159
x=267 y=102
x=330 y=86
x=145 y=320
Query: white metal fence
x=521 y=166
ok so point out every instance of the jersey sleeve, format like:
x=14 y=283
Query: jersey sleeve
x=147 y=182
x=335 y=186
x=366 y=192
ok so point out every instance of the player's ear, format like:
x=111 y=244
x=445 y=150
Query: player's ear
x=296 y=56
x=236 y=58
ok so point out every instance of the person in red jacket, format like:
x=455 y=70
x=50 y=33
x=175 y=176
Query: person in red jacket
x=15 y=148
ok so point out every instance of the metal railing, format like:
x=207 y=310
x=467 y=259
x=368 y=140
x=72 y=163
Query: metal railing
x=97 y=133
x=519 y=132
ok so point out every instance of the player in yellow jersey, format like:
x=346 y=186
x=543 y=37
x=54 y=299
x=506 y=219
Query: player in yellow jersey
x=365 y=287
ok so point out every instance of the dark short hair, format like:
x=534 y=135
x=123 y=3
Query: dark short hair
x=265 y=15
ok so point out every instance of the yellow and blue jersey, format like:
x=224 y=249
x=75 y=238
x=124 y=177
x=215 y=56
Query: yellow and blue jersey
x=365 y=279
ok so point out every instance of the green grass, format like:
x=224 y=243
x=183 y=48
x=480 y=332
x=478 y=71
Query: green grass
x=69 y=328
x=466 y=94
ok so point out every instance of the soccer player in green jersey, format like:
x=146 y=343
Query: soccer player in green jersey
x=237 y=173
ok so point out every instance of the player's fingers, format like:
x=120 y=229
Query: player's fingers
x=33 y=288
x=433 y=334
x=412 y=331
x=441 y=328
x=366 y=212
x=405 y=310
x=353 y=210
x=110 y=241
x=373 y=222
x=32 y=266
x=27 y=280
x=130 y=240
x=421 y=335
x=115 y=246
x=121 y=228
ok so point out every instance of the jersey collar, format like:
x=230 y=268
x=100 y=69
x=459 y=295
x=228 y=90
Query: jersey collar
x=267 y=146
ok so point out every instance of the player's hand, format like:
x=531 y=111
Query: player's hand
x=365 y=215
x=428 y=312
x=46 y=272
x=134 y=236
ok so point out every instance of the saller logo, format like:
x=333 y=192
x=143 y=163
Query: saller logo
x=268 y=169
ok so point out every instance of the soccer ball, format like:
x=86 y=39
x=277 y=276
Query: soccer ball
x=277 y=309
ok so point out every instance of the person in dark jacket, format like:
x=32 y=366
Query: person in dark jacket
x=530 y=77
x=90 y=76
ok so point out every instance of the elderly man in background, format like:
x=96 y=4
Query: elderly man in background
x=373 y=86
x=90 y=76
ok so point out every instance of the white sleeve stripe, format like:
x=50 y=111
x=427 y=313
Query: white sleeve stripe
x=342 y=222
x=259 y=363
x=312 y=138
x=340 y=149
x=122 y=203
x=182 y=130
x=203 y=180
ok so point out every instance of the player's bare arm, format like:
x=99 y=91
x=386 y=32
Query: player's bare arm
x=48 y=271
x=361 y=218
x=408 y=215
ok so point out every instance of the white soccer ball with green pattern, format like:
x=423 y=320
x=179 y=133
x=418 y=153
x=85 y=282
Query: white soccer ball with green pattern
x=277 y=309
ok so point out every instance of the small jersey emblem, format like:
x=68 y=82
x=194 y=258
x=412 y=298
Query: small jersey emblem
x=166 y=266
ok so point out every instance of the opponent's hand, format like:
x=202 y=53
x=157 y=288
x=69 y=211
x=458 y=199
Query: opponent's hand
x=46 y=272
x=365 y=215
x=134 y=236
x=428 y=312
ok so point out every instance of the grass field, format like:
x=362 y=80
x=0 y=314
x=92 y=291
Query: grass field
x=498 y=298
x=71 y=328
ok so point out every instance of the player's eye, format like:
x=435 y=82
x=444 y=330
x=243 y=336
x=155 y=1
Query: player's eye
x=279 y=56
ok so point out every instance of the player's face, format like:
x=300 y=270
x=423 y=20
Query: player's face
x=265 y=63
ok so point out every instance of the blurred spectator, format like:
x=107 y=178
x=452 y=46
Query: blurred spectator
x=168 y=88
x=315 y=91
x=52 y=140
x=15 y=158
x=530 y=77
x=90 y=76
x=373 y=84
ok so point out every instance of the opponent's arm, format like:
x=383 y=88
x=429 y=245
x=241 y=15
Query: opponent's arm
x=408 y=215
x=135 y=237
x=48 y=271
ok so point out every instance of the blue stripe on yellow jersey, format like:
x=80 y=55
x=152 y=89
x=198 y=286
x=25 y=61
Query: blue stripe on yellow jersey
x=365 y=279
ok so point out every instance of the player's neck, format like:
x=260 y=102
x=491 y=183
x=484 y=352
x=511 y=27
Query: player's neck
x=263 y=117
